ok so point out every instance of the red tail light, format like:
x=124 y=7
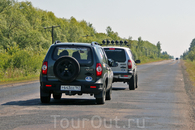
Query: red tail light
x=129 y=64
x=44 y=67
x=98 y=69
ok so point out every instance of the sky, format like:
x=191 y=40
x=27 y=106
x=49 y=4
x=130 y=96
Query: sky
x=170 y=22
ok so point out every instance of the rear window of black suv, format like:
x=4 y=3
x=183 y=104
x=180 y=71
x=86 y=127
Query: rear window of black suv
x=81 y=53
x=115 y=54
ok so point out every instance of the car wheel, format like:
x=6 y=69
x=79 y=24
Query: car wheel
x=66 y=68
x=44 y=96
x=102 y=99
x=109 y=93
x=132 y=83
x=57 y=96
x=136 y=81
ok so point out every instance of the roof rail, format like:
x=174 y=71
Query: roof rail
x=57 y=42
x=94 y=43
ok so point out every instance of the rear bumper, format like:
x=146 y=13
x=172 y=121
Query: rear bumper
x=55 y=87
x=122 y=77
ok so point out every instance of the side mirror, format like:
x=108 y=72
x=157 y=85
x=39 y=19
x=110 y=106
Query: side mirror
x=110 y=62
x=115 y=64
x=137 y=61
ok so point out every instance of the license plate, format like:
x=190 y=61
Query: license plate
x=70 y=88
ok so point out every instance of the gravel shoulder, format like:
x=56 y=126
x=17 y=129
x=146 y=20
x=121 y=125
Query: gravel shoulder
x=18 y=83
x=190 y=90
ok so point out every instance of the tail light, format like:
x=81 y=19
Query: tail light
x=48 y=85
x=129 y=64
x=44 y=67
x=98 y=69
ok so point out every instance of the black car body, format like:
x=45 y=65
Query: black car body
x=76 y=68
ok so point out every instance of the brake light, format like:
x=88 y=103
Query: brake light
x=44 y=67
x=129 y=64
x=48 y=85
x=98 y=69
x=111 y=48
x=92 y=86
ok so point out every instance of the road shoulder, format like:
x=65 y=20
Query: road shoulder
x=18 y=83
x=190 y=90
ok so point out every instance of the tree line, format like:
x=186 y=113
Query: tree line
x=190 y=53
x=24 y=39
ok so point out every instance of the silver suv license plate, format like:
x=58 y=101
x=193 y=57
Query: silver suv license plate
x=70 y=88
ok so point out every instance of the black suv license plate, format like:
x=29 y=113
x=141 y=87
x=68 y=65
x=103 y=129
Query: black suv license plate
x=70 y=88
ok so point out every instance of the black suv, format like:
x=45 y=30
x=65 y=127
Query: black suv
x=76 y=68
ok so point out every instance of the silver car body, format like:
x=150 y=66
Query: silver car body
x=121 y=56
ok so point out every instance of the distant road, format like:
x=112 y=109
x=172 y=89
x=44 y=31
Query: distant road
x=160 y=102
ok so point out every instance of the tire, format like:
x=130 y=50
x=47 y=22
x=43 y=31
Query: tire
x=66 y=69
x=103 y=97
x=136 y=81
x=132 y=83
x=109 y=93
x=44 y=96
x=57 y=96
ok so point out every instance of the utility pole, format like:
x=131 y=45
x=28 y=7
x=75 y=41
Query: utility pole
x=52 y=31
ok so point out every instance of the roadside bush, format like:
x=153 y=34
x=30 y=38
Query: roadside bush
x=17 y=63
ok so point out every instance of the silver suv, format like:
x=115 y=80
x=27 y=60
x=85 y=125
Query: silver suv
x=124 y=68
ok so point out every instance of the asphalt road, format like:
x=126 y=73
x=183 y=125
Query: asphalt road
x=160 y=102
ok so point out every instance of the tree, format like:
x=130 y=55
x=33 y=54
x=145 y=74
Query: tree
x=5 y=4
x=129 y=41
x=140 y=42
x=159 y=48
x=109 y=30
x=113 y=35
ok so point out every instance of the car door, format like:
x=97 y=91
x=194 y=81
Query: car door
x=108 y=68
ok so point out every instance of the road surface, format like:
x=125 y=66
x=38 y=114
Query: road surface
x=160 y=102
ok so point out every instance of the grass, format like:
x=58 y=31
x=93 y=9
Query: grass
x=145 y=60
x=150 y=61
x=190 y=68
x=19 y=79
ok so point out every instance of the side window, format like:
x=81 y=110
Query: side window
x=105 y=56
x=102 y=55
x=131 y=54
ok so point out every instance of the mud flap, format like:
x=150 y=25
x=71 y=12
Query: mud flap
x=44 y=93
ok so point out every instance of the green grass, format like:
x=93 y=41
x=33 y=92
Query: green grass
x=190 y=68
x=145 y=60
x=16 y=80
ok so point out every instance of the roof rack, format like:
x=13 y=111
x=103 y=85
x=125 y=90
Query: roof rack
x=94 y=43
x=57 y=42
